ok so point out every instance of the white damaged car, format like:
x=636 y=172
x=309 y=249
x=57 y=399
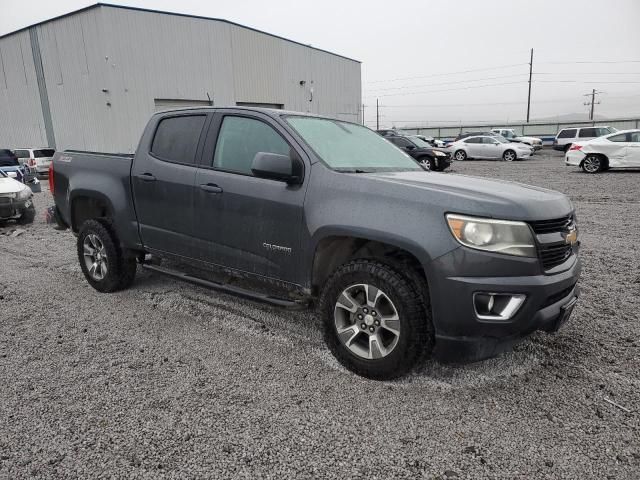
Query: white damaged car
x=16 y=202
x=616 y=150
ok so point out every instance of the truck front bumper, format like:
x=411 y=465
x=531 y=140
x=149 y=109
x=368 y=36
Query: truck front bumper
x=462 y=336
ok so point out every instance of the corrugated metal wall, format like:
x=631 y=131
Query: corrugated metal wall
x=105 y=66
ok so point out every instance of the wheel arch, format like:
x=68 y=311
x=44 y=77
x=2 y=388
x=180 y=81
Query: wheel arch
x=86 y=205
x=336 y=247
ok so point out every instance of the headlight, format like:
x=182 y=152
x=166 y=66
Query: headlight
x=499 y=236
x=440 y=154
x=24 y=194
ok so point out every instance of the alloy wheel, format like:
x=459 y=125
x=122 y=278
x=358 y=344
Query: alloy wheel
x=95 y=256
x=509 y=156
x=591 y=164
x=367 y=321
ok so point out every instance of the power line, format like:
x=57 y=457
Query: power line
x=592 y=63
x=448 y=83
x=449 y=73
x=448 y=89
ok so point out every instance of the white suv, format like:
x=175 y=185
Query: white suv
x=567 y=136
x=36 y=159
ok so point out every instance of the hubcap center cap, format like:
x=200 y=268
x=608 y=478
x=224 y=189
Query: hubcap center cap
x=368 y=319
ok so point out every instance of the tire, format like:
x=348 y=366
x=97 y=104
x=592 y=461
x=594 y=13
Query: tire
x=114 y=271
x=593 y=164
x=400 y=302
x=28 y=216
x=509 y=156
x=428 y=163
x=460 y=155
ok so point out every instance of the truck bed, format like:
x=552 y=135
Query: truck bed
x=80 y=175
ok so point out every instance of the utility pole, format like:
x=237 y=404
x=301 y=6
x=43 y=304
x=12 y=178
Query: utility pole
x=377 y=115
x=592 y=102
x=529 y=96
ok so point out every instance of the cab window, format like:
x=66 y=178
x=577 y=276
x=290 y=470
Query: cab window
x=239 y=140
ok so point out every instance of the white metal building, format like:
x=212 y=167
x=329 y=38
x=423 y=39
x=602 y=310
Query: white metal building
x=90 y=79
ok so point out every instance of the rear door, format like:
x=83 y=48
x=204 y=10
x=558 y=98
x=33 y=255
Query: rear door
x=162 y=178
x=243 y=222
x=474 y=147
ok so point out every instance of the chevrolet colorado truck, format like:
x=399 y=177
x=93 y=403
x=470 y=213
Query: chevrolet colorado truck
x=401 y=263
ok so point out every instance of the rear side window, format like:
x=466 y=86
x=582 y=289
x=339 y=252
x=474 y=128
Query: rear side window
x=568 y=133
x=240 y=139
x=618 y=138
x=473 y=140
x=47 y=152
x=22 y=153
x=176 y=138
x=634 y=137
x=588 y=132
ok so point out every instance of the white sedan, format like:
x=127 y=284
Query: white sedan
x=616 y=150
x=484 y=146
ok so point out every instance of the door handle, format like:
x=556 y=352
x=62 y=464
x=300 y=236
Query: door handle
x=147 y=177
x=211 y=188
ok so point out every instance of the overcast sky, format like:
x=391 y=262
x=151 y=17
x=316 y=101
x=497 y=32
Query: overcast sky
x=413 y=52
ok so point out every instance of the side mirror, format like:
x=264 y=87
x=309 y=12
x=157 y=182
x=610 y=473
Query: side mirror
x=274 y=166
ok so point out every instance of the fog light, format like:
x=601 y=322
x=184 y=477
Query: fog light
x=497 y=306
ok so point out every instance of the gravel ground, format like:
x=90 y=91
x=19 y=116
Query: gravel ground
x=172 y=380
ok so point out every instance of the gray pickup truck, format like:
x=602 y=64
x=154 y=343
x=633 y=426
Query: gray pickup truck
x=402 y=264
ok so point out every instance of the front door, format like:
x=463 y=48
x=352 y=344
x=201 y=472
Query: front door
x=243 y=222
x=162 y=182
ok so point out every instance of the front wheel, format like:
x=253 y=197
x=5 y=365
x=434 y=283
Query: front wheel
x=375 y=321
x=427 y=163
x=592 y=164
x=460 y=155
x=28 y=215
x=509 y=156
x=101 y=259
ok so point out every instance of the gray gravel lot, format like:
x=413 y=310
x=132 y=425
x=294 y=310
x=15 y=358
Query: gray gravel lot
x=171 y=380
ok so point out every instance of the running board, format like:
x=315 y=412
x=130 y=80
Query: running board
x=232 y=289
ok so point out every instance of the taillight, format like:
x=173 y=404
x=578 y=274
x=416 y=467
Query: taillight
x=51 y=188
x=32 y=162
x=575 y=147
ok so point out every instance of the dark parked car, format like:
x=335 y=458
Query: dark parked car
x=8 y=158
x=402 y=264
x=429 y=157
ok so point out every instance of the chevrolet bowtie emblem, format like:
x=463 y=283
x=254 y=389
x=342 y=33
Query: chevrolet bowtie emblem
x=572 y=237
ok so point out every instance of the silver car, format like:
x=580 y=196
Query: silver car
x=488 y=147
x=37 y=159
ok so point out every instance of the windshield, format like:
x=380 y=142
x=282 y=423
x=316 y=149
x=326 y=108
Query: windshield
x=418 y=142
x=349 y=147
x=501 y=139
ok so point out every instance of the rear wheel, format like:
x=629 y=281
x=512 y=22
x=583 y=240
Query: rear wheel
x=509 y=156
x=592 y=164
x=101 y=259
x=375 y=320
x=460 y=155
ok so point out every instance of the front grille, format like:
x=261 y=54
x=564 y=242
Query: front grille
x=554 y=254
x=551 y=226
x=5 y=201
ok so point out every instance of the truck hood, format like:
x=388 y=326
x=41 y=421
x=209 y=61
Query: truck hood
x=9 y=185
x=477 y=196
x=527 y=139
